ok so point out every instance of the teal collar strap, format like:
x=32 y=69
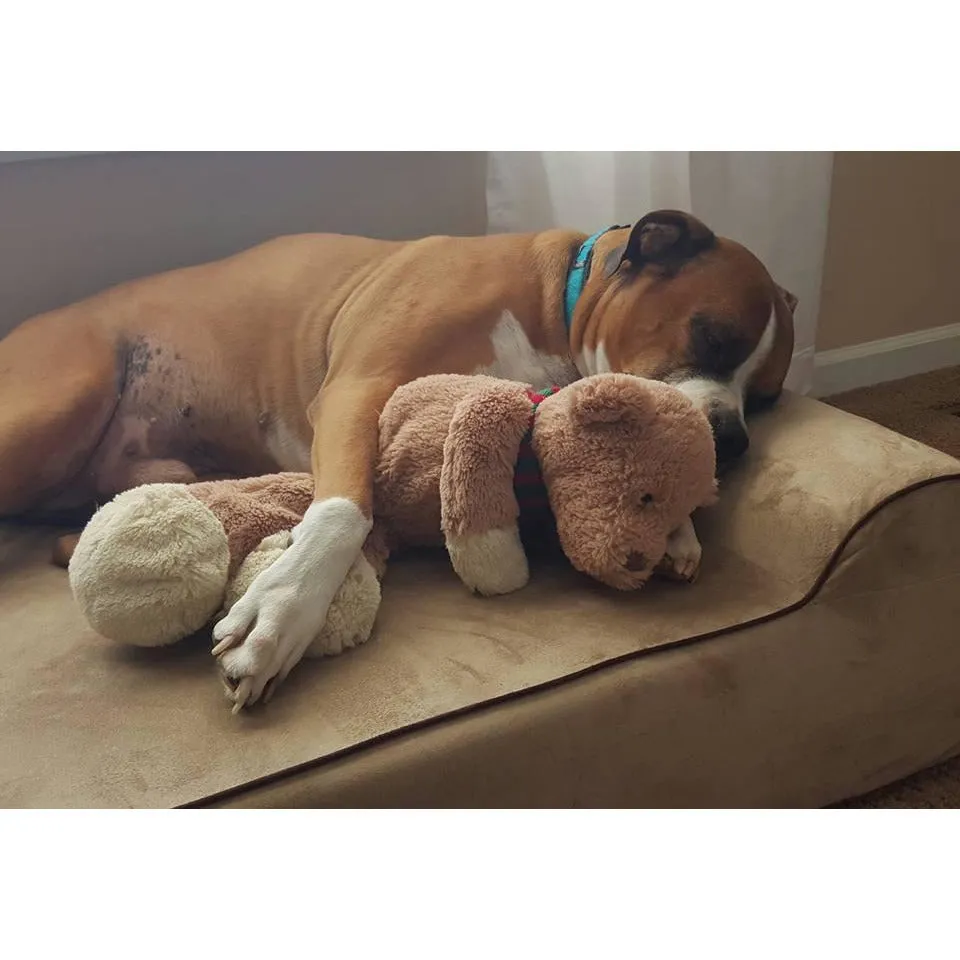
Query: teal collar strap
x=577 y=275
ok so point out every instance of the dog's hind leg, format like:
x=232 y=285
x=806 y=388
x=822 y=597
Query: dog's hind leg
x=60 y=382
x=135 y=474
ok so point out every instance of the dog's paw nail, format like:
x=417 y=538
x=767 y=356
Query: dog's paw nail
x=225 y=644
x=242 y=694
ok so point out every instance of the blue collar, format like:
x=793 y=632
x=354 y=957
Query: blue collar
x=578 y=274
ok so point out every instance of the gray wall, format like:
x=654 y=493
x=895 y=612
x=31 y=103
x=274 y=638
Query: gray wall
x=73 y=225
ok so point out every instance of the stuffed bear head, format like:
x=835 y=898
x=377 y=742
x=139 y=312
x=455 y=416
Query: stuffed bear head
x=625 y=461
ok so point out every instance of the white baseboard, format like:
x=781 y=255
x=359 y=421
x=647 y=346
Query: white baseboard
x=879 y=360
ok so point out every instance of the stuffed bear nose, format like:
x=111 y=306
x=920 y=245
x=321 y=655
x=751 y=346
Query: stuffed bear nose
x=636 y=563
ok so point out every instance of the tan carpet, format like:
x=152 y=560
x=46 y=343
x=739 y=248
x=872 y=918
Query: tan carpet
x=927 y=408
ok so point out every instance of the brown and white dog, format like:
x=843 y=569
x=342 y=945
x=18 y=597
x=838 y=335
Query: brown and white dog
x=282 y=357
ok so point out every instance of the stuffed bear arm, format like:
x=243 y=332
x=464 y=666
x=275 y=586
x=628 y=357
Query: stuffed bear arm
x=478 y=506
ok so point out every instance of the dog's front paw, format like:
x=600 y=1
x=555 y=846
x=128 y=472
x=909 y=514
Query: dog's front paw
x=683 y=556
x=262 y=638
x=268 y=630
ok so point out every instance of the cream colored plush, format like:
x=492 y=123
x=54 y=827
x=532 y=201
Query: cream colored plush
x=151 y=566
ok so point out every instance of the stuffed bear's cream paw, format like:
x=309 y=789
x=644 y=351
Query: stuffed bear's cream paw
x=683 y=556
x=267 y=552
x=490 y=563
x=352 y=614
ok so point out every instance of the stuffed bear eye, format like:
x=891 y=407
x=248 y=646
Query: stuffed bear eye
x=646 y=498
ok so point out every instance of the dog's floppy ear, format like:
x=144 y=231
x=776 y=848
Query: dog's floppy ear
x=612 y=261
x=767 y=382
x=667 y=238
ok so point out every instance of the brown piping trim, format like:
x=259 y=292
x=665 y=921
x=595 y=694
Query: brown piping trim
x=307 y=765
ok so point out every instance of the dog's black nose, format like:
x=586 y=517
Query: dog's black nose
x=729 y=437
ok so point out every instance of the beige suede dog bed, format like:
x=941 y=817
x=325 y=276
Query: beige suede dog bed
x=815 y=658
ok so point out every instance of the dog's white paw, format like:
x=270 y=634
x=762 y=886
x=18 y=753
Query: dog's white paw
x=263 y=637
x=268 y=630
x=683 y=556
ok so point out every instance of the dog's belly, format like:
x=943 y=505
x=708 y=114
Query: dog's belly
x=189 y=407
x=181 y=412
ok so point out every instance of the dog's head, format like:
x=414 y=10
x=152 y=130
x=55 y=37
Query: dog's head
x=669 y=300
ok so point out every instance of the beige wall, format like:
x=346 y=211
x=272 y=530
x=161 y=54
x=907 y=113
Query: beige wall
x=73 y=225
x=893 y=247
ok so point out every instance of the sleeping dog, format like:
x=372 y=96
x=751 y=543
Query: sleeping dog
x=282 y=357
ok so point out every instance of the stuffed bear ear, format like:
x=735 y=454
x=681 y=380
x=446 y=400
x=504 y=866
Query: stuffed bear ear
x=668 y=238
x=607 y=399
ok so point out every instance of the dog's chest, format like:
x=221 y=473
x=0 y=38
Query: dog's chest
x=515 y=358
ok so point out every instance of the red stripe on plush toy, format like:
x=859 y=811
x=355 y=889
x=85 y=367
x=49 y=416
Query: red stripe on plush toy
x=528 y=485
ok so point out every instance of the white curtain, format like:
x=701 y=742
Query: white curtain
x=776 y=204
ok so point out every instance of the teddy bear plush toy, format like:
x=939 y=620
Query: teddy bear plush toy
x=620 y=461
